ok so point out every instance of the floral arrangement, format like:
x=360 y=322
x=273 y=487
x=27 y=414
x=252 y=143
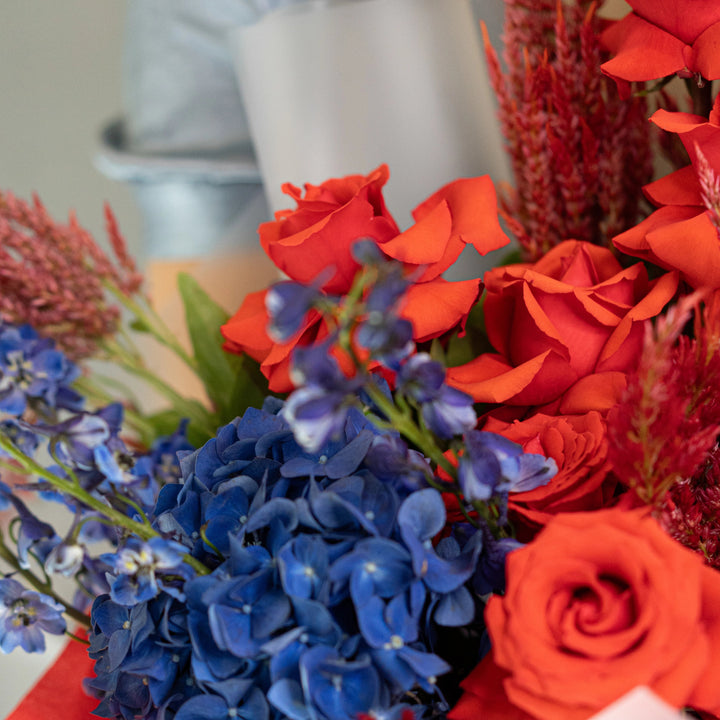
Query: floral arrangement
x=405 y=497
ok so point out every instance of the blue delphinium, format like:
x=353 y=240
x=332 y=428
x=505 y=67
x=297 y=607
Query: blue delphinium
x=33 y=371
x=326 y=589
x=25 y=615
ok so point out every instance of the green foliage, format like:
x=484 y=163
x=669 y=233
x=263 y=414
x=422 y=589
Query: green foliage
x=233 y=383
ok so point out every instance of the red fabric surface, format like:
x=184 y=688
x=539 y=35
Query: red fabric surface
x=58 y=694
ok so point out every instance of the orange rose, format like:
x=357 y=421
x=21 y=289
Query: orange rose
x=318 y=236
x=328 y=219
x=596 y=605
x=331 y=217
x=664 y=37
x=566 y=330
x=682 y=235
x=246 y=332
x=578 y=444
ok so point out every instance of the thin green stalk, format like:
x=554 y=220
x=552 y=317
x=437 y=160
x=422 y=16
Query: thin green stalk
x=43 y=587
x=77 y=637
x=74 y=490
x=194 y=411
x=154 y=323
x=406 y=427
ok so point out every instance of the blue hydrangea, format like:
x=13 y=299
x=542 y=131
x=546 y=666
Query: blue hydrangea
x=327 y=589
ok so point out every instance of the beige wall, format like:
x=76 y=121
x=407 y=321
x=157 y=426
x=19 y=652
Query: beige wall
x=60 y=64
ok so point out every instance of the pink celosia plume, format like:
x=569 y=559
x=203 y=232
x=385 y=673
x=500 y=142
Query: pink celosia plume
x=53 y=276
x=579 y=153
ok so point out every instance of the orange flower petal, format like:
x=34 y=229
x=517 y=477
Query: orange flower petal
x=634 y=241
x=706 y=52
x=678 y=188
x=691 y=246
x=439 y=305
x=490 y=379
x=246 y=330
x=473 y=206
x=599 y=391
x=425 y=241
x=642 y=50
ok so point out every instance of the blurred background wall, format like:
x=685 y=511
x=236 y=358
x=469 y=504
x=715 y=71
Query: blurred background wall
x=60 y=81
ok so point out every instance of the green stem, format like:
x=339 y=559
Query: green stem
x=194 y=411
x=406 y=427
x=83 y=641
x=74 y=490
x=154 y=324
x=43 y=587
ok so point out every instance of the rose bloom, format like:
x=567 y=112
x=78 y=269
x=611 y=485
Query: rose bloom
x=329 y=218
x=578 y=445
x=566 y=330
x=596 y=605
x=682 y=235
x=315 y=241
x=664 y=37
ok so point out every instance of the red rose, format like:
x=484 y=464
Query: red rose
x=682 y=234
x=566 y=330
x=578 y=444
x=331 y=217
x=664 y=37
x=246 y=332
x=328 y=219
x=319 y=235
x=596 y=605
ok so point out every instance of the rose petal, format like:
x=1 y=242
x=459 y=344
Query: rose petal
x=642 y=50
x=425 y=241
x=473 y=206
x=438 y=306
x=490 y=379
x=599 y=391
x=678 y=188
x=691 y=246
x=706 y=51
x=634 y=241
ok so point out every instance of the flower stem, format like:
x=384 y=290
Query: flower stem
x=145 y=532
x=406 y=427
x=43 y=587
x=153 y=323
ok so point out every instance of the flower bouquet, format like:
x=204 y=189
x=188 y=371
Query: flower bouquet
x=404 y=497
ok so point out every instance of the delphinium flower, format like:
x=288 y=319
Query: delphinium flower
x=52 y=275
x=422 y=408
x=324 y=592
x=25 y=615
x=579 y=152
x=33 y=373
x=445 y=410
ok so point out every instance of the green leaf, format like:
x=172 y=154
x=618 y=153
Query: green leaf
x=166 y=422
x=139 y=326
x=233 y=383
